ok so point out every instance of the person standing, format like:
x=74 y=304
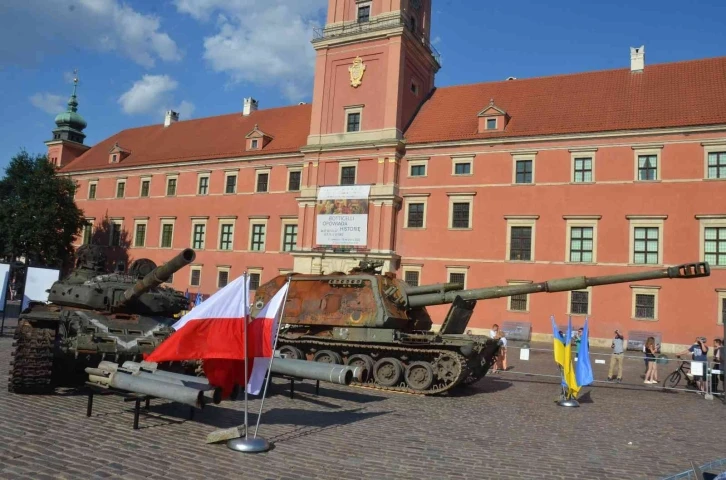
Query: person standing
x=699 y=352
x=717 y=355
x=650 y=351
x=617 y=357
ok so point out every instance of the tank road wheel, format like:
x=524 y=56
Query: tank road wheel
x=362 y=360
x=387 y=371
x=328 y=356
x=292 y=353
x=419 y=375
x=447 y=368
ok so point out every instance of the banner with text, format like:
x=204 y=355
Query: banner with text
x=342 y=215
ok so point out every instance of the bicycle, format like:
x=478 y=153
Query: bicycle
x=683 y=371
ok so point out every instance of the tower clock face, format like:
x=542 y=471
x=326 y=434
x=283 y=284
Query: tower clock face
x=416 y=4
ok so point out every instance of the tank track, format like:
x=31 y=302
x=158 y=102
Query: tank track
x=32 y=364
x=390 y=350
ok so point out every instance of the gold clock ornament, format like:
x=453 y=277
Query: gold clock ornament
x=356 y=72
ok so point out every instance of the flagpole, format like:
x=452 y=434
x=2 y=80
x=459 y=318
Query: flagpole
x=272 y=357
x=246 y=299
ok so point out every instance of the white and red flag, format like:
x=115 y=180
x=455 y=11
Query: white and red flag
x=214 y=332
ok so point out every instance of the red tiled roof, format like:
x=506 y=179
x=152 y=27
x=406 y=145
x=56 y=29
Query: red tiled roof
x=203 y=138
x=663 y=95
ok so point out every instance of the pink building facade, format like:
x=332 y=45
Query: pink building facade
x=497 y=183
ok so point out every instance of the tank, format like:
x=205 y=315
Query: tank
x=92 y=315
x=381 y=323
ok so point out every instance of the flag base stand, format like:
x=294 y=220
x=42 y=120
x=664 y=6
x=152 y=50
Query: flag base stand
x=249 y=445
x=569 y=402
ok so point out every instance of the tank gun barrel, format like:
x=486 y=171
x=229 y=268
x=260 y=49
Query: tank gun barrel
x=159 y=275
x=437 y=287
x=686 y=270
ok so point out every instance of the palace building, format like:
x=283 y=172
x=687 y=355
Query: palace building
x=506 y=182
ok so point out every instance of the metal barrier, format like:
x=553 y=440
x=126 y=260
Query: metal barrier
x=674 y=374
x=689 y=474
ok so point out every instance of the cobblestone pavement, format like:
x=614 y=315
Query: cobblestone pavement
x=506 y=426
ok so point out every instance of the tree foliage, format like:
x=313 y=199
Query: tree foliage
x=117 y=251
x=38 y=215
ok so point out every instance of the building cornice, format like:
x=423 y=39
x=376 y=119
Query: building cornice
x=573 y=136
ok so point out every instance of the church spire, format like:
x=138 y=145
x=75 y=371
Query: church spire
x=70 y=124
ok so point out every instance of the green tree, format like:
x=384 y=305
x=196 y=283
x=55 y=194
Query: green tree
x=38 y=216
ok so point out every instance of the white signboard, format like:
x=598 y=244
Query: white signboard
x=4 y=279
x=342 y=215
x=37 y=284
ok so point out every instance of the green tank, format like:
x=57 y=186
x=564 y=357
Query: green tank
x=92 y=315
x=380 y=322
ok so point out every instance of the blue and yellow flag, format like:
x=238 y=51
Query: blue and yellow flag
x=583 y=370
x=568 y=372
x=559 y=344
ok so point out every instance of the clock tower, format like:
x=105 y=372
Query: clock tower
x=374 y=67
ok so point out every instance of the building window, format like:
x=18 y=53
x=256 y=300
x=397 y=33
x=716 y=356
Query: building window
x=171 y=187
x=255 y=281
x=293 y=181
x=262 y=182
x=257 y=243
x=581 y=244
x=579 y=302
x=645 y=248
x=195 y=279
x=418 y=170
x=353 y=123
x=716 y=165
x=254 y=143
x=457 y=277
x=120 y=189
x=140 y=237
x=416 y=215
x=203 y=186
x=462 y=168
x=518 y=303
x=198 y=236
x=225 y=236
x=230 y=184
x=167 y=234
x=647 y=167
x=583 y=170
x=115 y=240
x=364 y=13
x=222 y=278
x=347 y=175
x=289 y=240
x=714 y=246
x=721 y=319
x=144 y=188
x=412 y=277
x=491 y=123
x=644 y=306
x=520 y=244
x=524 y=171
x=92 y=191
x=87 y=233
x=460 y=215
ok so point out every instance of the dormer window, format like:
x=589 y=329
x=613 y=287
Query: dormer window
x=114 y=158
x=117 y=153
x=492 y=118
x=364 y=13
x=257 y=139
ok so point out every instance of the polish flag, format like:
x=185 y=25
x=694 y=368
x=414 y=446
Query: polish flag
x=213 y=332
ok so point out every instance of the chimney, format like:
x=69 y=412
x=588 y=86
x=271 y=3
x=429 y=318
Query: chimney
x=171 y=117
x=249 y=106
x=637 y=58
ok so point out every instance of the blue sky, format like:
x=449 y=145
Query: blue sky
x=202 y=57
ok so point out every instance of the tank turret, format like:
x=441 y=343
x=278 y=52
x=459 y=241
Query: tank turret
x=381 y=323
x=92 y=315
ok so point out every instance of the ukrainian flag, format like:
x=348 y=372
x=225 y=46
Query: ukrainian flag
x=559 y=345
x=573 y=378
x=568 y=372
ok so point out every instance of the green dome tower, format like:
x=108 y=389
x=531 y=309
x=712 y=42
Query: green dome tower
x=67 y=143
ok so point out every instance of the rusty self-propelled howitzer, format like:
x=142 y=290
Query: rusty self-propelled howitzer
x=92 y=315
x=379 y=322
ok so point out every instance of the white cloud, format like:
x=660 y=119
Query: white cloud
x=267 y=43
x=436 y=40
x=153 y=94
x=49 y=102
x=44 y=27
